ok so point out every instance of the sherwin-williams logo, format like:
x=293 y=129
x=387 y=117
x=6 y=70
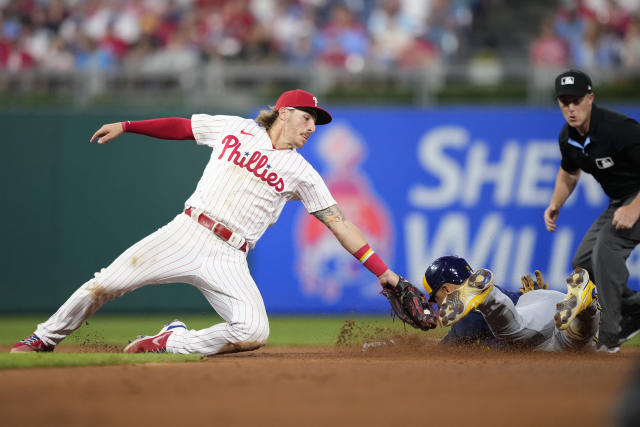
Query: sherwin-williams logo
x=568 y=80
x=324 y=267
x=604 y=162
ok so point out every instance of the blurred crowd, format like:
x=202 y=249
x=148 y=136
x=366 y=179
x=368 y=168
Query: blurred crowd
x=590 y=34
x=175 y=35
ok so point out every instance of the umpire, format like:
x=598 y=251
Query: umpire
x=605 y=144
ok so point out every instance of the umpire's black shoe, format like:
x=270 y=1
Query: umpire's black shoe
x=630 y=328
x=607 y=343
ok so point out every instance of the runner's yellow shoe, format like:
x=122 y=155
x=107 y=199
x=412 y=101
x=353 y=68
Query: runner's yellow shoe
x=581 y=292
x=467 y=297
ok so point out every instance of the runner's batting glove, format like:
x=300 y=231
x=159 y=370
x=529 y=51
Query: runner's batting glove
x=410 y=305
x=529 y=285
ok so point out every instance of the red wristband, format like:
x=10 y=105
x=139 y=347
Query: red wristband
x=371 y=260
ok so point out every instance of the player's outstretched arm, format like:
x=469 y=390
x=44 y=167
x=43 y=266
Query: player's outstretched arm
x=352 y=239
x=107 y=132
x=167 y=128
x=388 y=278
x=406 y=301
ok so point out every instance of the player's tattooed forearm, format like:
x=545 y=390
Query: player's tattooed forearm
x=330 y=215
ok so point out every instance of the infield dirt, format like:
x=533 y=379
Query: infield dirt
x=409 y=383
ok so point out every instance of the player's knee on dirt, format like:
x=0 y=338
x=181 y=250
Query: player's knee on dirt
x=249 y=336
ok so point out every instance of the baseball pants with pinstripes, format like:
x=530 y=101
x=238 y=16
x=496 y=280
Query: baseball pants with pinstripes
x=181 y=251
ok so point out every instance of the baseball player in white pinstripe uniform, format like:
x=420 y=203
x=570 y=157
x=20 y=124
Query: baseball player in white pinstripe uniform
x=254 y=170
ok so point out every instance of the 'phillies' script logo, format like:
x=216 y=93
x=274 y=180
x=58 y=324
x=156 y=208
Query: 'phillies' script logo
x=252 y=163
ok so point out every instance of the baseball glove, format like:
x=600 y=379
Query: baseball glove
x=410 y=305
x=529 y=285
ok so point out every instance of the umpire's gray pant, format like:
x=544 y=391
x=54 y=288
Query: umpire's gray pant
x=603 y=252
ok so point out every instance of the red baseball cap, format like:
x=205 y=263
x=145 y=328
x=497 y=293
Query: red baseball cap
x=299 y=98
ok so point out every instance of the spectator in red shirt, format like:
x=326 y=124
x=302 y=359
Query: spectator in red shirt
x=548 y=49
x=342 y=39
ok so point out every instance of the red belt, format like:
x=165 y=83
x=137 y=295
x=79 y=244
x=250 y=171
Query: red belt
x=217 y=228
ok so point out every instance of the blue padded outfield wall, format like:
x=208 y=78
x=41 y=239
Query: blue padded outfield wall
x=420 y=183
x=424 y=183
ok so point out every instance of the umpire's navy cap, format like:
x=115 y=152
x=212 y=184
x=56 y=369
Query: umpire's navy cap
x=573 y=83
x=446 y=269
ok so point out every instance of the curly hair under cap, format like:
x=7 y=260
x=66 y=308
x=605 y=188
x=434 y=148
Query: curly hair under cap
x=266 y=118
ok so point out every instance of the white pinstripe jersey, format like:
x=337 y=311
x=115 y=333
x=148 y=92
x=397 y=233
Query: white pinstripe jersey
x=247 y=182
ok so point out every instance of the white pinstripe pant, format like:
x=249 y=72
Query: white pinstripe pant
x=181 y=251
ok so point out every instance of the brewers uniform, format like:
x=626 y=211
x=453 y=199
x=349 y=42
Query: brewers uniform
x=241 y=193
x=489 y=315
x=473 y=329
x=530 y=322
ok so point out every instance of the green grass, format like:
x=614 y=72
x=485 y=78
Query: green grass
x=117 y=330
x=111 y=330
x=108 y=329
x=42 y=360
